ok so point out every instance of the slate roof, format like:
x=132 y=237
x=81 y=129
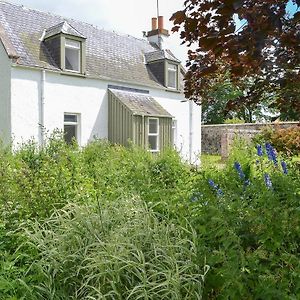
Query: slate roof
x=141 y=104
x=159 y=55
x=109 y=55
x=63 y=27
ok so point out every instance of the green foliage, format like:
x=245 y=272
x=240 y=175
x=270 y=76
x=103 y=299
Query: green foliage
x=285 y=140
x=115 y=223
x=234 y=121
x=116 y=250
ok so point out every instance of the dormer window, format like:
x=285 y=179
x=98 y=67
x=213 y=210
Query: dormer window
x=72 y=55
x=165 y=68
x=67 y=47
x=172 y=76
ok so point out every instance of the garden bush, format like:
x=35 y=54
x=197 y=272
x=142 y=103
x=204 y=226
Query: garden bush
x=114 y=222
x=285 y=140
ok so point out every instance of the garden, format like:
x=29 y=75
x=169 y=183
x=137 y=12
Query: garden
x=106 y=222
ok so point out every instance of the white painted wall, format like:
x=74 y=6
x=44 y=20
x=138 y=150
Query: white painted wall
x=87 y=97
x=25 y=95
x=5 y=76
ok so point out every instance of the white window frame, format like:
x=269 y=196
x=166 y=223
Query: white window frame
x=79 y=48
x=170 y=68
x=153 y=134
x=174 y=132
x=76 y=124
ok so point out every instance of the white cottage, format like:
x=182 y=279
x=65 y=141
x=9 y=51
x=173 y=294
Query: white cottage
x=59 y=73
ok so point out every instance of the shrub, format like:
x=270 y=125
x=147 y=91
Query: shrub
x=285 y=140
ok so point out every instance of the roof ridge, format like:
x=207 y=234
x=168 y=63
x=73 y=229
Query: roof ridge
x=74 y=20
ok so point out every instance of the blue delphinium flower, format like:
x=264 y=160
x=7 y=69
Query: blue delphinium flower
x=196 y=196
x=247 y=182
x=215 y=187
x=268 y=181
x=238 y=168
x=260 y=151
x=284 y=167
x=211 y=183
x=271 y=154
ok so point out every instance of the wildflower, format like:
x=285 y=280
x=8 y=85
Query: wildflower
x=284 y=167
x=215 y=187
x=268 y=181
x=271 y=154
x=219 y=192
x=247 y=182
x=260 y=151
x=196 y=196
x=211 y=183
x=238 y=167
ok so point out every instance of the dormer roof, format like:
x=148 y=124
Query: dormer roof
x=63 y=27
x=161 y=55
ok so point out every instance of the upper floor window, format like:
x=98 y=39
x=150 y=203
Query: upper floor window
x=172 y=77
x=72 y=55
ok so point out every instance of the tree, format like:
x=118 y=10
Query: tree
x=265 y=46
x=224 y=100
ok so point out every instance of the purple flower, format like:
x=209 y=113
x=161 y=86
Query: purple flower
x=215 y=187
x=284 y=167
x=259 y=149
x=238 y=167
x=268 y=181
x=271 y=154
x=211 y=183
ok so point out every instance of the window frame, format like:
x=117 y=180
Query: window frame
x=176 y=71
x=79 y=50
x=157 y=135
x=74 y=123
x=82 y=54
x=174 y=129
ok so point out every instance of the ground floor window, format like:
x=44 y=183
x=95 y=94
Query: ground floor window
x=71 y=127
x=153 y=134
x=174 y=132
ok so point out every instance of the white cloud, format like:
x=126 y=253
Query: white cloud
x=126 y=16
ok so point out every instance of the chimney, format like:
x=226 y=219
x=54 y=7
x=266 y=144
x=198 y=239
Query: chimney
x=158 y=34
x=161 y=22
x=154 y=23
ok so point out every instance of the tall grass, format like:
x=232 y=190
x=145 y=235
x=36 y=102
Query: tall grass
x=118 y=250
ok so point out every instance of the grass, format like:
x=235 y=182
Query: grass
x=212 y=160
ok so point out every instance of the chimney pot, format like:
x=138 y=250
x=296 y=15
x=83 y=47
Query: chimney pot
x=154 y=23
x=160 y=22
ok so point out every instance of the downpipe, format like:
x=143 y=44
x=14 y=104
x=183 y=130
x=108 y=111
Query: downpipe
x=42 y=110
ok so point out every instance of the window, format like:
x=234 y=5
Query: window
x=174 y=132
x=153 y=134
x=72 y=55
x=71 y=127
x=172 y=76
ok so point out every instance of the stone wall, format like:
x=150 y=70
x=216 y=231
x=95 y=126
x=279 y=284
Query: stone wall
x=216 y=139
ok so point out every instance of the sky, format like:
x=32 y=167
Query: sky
x=124 y=16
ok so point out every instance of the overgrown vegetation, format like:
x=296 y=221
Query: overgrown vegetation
x=285 y=140
x=105 y=222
